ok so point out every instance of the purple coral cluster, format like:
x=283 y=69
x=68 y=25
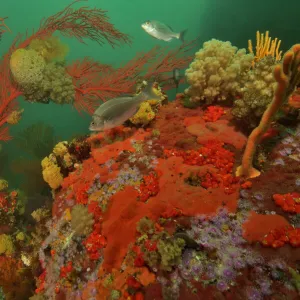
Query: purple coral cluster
x=221 y=235
x=126 y=176
x=289 y=148
x=224 y=256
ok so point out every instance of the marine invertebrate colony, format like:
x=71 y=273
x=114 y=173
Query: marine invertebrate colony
x=144 y=211
x=153 y=208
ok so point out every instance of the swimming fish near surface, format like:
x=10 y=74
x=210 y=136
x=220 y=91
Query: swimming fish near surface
x=162 y=31
x=116 y=111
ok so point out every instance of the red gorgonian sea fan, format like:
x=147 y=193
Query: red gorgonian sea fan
x=94 y=81
x=82 y=23
x=3 y=26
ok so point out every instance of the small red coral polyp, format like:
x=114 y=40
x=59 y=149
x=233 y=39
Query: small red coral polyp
x=66 y=270
x=149 y=187
x=288 y=202
x=171 y=212
x=3 y=202
x=151 y=245
x=213 y=113
x=139 y=260
x=93 y=244
x=133 y=283
x=81 y=194
x=41 y=282
x=209 y=180
x=279 y=237
x=96 y=210
x=246 y=185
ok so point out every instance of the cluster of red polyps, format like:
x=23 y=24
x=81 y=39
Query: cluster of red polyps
x=288 y=202
x=8 y=202
x=149 y=187
x=3 y=202
x=171 y=212
x=81 y=194
x=278 y=237
x=133 y=284
x=95 y=242
x=213 y=113
x=148 y=245
x=66 y=270
x=41 y=282
x=211 y=180
x=212 y=152
x=139 y=258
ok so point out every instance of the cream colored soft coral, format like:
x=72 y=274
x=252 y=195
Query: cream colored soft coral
x=258 y=92
x=217 y=72
x=81 y=220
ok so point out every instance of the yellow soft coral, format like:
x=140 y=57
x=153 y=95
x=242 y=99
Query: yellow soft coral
x=27 y=66
x=144 y=115
x=60 y=149
x=50 y=48
x=40 y=214
x=51 y=172
x=20 y=236
x=146 y=112
x=6 y=244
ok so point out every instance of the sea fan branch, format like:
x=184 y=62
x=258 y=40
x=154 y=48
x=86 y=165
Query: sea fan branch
x=82 y=23
x=93 y=87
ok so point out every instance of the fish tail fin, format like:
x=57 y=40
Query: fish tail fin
x=149 y=92
x=181 y=35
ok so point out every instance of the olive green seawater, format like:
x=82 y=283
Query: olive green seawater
x=232 y=20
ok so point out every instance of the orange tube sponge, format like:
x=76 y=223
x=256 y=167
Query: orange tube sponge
x=287 y=76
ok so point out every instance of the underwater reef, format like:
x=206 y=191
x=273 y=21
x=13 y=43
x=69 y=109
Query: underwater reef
x=196 y=197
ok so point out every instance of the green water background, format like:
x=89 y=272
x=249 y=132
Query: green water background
x=233 y=20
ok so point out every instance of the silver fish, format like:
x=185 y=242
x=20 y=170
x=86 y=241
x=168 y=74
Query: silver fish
x=116 y=111
x=161 y=31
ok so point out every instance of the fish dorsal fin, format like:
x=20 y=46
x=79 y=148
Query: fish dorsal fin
x=162 y=26
x=170 y=27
